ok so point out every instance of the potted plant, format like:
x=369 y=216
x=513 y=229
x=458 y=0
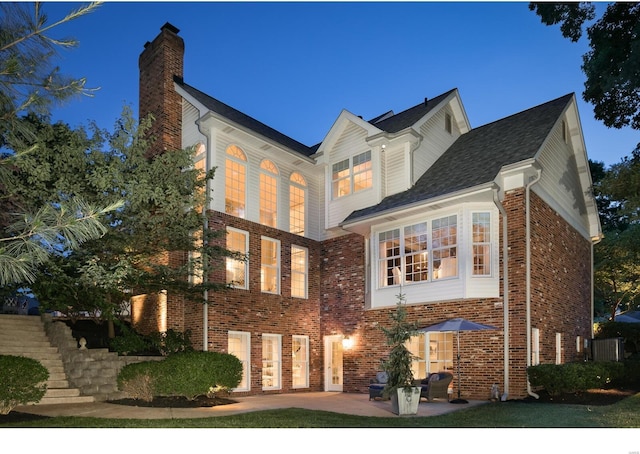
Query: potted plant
x=404 y=396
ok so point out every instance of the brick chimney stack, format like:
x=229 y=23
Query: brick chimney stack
x=159 y=62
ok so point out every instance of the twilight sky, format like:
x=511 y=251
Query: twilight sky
x=295 y=66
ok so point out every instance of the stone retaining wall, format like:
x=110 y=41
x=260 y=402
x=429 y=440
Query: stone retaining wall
x=93 y=371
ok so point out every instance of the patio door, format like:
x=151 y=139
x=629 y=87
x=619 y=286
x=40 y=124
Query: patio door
x=333 y=363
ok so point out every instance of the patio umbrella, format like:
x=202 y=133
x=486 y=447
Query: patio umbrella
x=457 y=325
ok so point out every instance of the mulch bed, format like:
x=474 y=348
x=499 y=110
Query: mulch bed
x=175 y=402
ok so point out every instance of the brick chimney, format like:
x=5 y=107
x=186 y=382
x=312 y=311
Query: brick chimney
x=159 y=62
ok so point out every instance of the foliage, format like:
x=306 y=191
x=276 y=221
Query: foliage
x=612 y=64
x=188 y=374
x=30 y=82
x=129 y=342
x=22 y=381
x=137 y=380
x=557 y=379
x=171 y=342
x=398 y=363
x=161 y=216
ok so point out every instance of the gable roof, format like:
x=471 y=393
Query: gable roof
x=409 y=117
x=476 y=157
x=244 y=120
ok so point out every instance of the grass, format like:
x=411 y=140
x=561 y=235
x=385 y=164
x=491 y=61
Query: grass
x=624 y=414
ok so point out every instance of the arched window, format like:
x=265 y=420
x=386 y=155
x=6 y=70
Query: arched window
x=235 y=182
x=297 y=197
x=268 y=193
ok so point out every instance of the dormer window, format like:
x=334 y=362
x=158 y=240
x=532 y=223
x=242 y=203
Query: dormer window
x=352 y=175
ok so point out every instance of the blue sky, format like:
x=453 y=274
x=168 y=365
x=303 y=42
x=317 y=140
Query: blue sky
x=295 y=66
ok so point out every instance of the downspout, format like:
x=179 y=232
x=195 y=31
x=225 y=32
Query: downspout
x=528 y=272
x=505 y=290
x=205 y=229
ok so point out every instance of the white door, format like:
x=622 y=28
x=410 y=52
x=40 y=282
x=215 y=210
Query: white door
x=333 y=363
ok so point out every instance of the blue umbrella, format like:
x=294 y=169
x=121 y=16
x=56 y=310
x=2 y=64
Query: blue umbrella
x=457 y=325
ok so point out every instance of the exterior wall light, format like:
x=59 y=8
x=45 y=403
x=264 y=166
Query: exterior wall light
x=347 y=342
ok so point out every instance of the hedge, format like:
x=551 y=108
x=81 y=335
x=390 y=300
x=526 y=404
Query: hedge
x=557 y=379
x=22 y=381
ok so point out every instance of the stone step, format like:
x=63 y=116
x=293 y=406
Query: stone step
x=30 y=342
x=65 y=400
x=62 y=392
x=37 y=350
x=58 y=383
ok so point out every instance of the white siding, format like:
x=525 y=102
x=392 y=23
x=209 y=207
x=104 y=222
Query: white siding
x=560 y=185
x=190 y=133
x=436 y=141
x=396 y=177
x=351 y=142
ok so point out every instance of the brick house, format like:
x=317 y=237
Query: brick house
x=494 y=224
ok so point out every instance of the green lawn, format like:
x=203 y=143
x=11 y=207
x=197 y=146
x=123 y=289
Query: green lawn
x=624 y=414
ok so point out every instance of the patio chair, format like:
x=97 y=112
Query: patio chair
x=436 y=386
x=377 y=384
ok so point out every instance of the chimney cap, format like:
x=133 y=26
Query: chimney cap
x=170 y=27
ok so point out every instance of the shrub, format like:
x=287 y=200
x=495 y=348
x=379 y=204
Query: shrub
x=129 y=342
x=171 y=342
x=188 y=374
x=22 y=381
x=574 y=377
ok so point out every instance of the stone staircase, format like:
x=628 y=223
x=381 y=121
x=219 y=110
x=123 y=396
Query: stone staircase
x=22 y=335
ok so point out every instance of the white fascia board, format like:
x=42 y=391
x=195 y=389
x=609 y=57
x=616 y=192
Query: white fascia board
x=363 y=224
x=338 y=127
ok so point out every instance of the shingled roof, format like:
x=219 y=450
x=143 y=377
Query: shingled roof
x=477 y=156
x=244 y=120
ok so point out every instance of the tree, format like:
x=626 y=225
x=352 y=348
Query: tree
x=30 y=82
x=162 y=215
x=612 y=65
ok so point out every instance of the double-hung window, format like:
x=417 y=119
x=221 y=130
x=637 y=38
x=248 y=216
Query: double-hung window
x=299 y=271
x=270 y=265
x=271 y=361
x=481 y=225
x=420 y=252
x=237 y=267
x=238 y=344
x=351 y=175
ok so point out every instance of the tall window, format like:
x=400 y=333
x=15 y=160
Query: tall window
x=271 y=361
x=300 y=362
x=268 y=193
x=535 y=346
x=352 y=175
x=406 y=255
x=270 y=265
x=299 y=271
x=444 y=238
x=558 y=348
x=237 y=269
x=297 y=192
x=481 y=225
x=433 y=352
x=238 y=344
x=235 y=182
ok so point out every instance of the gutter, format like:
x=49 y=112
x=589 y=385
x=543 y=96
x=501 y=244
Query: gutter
x=505 y=290
x=528 y=273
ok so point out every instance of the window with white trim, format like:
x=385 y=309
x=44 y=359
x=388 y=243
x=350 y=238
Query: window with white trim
x=432 y=352
x=239 y=344
x=535 y=346
x=270 y=265
x=299 y=271
x=271 y=361
x=235 y=182
x=300 y=361
x=297 y=200
x=406 y=255
x=481 y=243
x=351 y=175
x=268 y=193
x=237 y=269
x=558 y=348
